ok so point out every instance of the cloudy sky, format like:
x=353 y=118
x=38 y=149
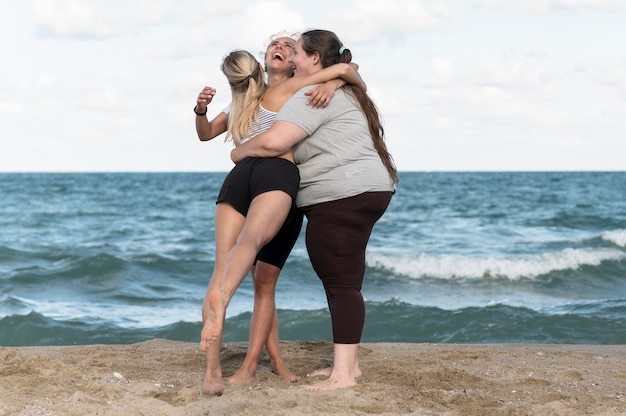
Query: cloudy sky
x=109 y=85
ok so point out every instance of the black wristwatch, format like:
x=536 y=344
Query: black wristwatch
x=195 y=110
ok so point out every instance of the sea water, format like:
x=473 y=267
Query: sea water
x=517 y=257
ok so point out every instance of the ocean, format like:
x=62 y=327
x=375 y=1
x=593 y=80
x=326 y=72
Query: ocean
x=492 y=257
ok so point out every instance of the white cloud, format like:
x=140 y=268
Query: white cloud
x=614 y=77
x=393 y=20
x=74 y=19
x=94 y=85
x=440 y=72
x=507 y=75
x=549 y=6
x=82 y=19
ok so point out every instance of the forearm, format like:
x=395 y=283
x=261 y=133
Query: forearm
x=350 y=75
x=204 y=128
x=276 y=141
x=258 y=146
x=207 y=130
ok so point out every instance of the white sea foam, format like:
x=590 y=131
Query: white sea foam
x=617 y=237
x=461 y=267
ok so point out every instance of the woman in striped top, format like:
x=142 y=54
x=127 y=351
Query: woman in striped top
x=256 y=199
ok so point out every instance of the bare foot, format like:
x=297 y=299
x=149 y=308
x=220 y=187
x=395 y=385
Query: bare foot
x=213 y=385
x=325 y=372
x=280 y=369
x=248 y=375
x=331 y=384
x=214 y=320
x=242 y=376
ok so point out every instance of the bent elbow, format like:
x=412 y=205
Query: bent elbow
x=274 y=148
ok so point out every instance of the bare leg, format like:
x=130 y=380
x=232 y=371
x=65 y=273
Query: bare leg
x=342 y=374
x=263 y=328
x=276 y=360
x=266 y=215
x=213 y=382
x=228 y=224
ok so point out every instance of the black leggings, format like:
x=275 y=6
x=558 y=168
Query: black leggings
x=336 y=238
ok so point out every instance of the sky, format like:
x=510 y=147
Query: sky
x=461 y=85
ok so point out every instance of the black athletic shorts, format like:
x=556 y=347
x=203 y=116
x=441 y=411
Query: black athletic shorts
x=253 y=176
x=277 y=250
x=256 y=175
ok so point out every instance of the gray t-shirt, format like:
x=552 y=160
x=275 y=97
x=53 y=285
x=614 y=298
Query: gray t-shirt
x=338 y=159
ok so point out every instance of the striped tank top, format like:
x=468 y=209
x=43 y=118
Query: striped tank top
x=266 y=119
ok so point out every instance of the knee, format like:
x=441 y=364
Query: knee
x=344 y=295
x=250 y=241
x=265 y=277
x=264 y=284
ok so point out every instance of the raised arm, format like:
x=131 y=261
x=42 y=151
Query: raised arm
x=346 y=72
x=337 y=75
x=277 y=140
x=320 y=95
x=206 y=129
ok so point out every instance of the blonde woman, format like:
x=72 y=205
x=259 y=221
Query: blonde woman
x=256 y=200
x=278 y=68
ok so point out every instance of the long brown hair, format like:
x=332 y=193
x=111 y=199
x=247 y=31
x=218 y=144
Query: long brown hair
x=332 y=51
x=247 y=84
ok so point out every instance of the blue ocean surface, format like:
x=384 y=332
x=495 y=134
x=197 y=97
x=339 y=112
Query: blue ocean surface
x=515 y=257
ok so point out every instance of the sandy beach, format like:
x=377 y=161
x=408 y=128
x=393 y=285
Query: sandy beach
x=161 y=377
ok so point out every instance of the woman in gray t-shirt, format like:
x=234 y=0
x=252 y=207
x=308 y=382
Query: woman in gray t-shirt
x=347 y=180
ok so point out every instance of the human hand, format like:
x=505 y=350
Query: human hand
x=204 y=98
x=320 y=95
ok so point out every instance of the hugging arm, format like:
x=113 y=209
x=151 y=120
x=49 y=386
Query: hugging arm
x=320 y=95
x=274 y=142
x=330 y=79
x=346 y=72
